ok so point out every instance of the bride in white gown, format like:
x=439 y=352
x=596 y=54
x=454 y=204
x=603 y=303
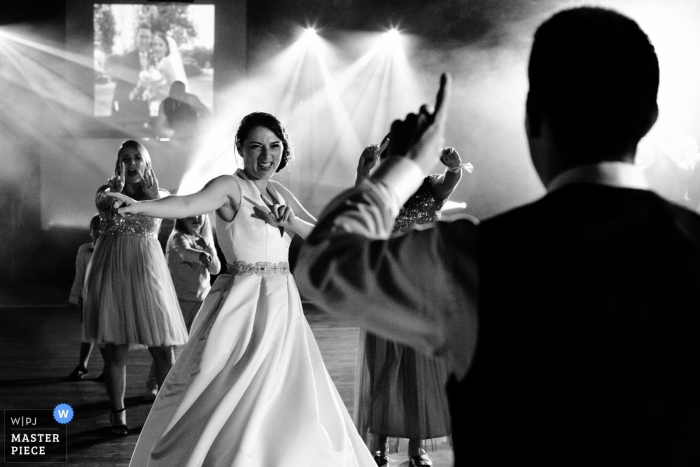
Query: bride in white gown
x=250 y=388
x=165 y=68
x=168 y=60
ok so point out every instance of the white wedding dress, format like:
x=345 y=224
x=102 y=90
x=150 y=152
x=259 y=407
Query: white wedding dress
x=173 y=61
x=250 y=388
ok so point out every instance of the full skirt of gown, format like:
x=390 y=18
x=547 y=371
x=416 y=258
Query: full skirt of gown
x=250 y=388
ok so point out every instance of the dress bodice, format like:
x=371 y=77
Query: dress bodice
x=130 y=224
x=421 y=208
x=249 y=244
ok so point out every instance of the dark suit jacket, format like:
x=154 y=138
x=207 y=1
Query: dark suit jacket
x=584 y=349
x=126 y=78
x=127 y=75
x=588 y=345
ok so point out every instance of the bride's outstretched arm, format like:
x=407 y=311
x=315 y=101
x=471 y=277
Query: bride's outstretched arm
x=220 y=192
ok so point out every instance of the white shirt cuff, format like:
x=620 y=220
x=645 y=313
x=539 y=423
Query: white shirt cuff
x=401 y=176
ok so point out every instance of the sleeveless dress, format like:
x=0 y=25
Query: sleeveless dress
x=128 y=296
x=250 y=388
x=400 y=393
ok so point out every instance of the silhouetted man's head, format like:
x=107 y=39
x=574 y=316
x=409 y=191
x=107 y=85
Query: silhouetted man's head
x=177 y=91
x=593 y=77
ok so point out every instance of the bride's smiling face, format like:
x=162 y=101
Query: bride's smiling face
x=160 y=47
x=261 y=152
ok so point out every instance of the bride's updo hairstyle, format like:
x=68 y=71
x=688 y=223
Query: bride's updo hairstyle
x=256 y=119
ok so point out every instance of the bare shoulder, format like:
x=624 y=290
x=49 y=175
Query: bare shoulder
x=222 y=181
x=228 y=187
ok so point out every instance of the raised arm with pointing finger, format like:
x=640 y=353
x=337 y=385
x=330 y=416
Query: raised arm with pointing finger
x=401 y=288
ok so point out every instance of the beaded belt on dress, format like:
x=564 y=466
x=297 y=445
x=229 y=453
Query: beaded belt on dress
x=261 y=268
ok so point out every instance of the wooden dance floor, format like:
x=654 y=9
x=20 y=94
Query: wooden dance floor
x=39 y=343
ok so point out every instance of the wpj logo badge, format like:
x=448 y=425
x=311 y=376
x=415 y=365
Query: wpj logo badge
x=37 y=435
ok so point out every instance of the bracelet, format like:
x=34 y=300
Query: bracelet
x=364 y=174
x=456 y=170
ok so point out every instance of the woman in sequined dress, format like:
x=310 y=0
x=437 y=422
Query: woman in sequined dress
x=399 y=393
x=250 y=388
x=129 y=298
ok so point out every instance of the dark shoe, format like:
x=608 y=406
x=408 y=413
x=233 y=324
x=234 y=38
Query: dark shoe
x=421 y=460
x=380 y=458
x=78 y=374
x=117 y=430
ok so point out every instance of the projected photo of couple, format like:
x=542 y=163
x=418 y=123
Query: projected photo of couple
x=141 y=50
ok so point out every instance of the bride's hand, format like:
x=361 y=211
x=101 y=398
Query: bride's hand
x=123 y=204
x=280 y=215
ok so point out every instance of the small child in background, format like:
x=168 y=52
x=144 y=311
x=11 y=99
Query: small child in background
x=75 y=301
x=191 y=260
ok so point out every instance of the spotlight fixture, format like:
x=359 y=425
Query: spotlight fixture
x=392 y=37
x=310 y=35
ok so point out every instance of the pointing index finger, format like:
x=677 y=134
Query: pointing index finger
x=443 y=96
x=383 y=145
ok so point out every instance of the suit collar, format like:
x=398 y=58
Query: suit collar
x=615 y=174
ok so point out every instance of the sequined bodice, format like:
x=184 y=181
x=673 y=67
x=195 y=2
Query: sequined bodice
x=131 y=224
x=421 y=208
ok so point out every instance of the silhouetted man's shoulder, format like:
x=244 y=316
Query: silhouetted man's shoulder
x=588 y=322
x=594 y=206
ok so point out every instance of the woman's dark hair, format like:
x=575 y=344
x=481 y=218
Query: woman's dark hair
x=256 y=119
x=95 y=222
